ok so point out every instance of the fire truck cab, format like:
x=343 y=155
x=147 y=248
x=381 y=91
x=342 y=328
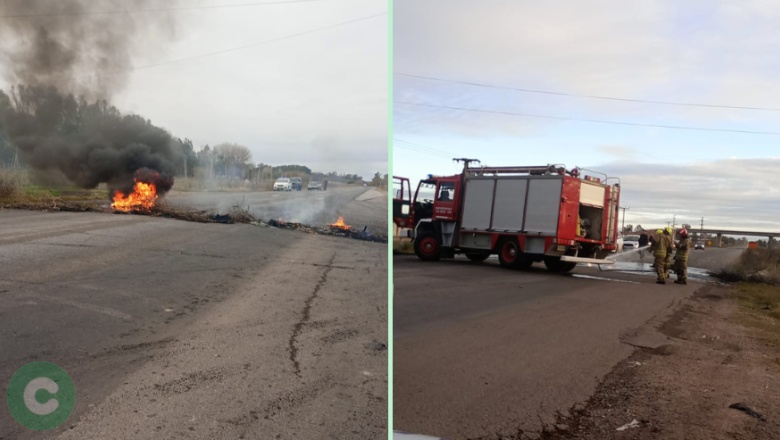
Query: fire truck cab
x=522 y=214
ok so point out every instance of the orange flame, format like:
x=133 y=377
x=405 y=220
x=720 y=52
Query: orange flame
x=340 y=224
x=143 y=197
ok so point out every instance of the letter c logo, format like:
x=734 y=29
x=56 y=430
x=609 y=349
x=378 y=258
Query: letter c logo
x=41 y=383
x=41 y=396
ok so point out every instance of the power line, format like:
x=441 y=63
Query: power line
x=273 y=40
x=419 y=150
x=598 y=121
x=422 y=149
x=172 y=9
x=395 y=139
x=609 y=98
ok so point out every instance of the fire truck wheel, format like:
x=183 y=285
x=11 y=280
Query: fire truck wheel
x=478 y=256
x=427 y=247
x=554 y=264
x=509 y=253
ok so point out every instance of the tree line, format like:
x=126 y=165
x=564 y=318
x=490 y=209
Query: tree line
x=62 y=121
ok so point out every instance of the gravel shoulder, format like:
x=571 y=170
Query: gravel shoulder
x=684 y=389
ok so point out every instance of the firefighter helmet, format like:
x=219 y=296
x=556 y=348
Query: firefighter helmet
x=659 y=231
x=683 y=232
x=668 y=230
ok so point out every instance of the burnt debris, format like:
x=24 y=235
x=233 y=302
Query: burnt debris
x=363 y=234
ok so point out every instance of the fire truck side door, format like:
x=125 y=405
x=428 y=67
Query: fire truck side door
x=402 y=204
x=444 y=206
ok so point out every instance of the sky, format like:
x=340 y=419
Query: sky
x=297 y=82
x=705 y=52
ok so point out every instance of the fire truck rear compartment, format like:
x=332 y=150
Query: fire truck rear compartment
x=591 y=222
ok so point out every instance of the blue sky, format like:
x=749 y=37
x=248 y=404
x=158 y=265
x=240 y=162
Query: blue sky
x=705 y=52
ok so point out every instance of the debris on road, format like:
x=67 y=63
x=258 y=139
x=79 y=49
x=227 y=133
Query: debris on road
x=338 y=231
x=236 y=214
x=747 y=410
x=632 y=424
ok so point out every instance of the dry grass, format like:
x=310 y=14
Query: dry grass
x=11 y=183
x=756 y=275
x=8 y=188
x=403 y=246
x=754 y=265
x=17 y=189
x=762 y=298
x=759 y=311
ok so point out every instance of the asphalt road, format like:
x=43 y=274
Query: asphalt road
x=360 y=206
x=171 y=329
x=480 y=351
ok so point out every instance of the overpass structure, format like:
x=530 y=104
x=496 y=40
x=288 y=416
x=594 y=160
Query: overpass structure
x=719 y=233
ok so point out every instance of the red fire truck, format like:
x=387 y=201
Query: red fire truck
x=524 y=214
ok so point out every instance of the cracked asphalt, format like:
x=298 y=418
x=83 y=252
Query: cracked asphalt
x=172 y=329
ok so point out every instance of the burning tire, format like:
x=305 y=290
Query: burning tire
x=554 y=264
x=477 y=256
x=427 y=247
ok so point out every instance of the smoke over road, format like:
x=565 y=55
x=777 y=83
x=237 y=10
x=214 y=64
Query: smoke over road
x=68 y=58
x=79 y=47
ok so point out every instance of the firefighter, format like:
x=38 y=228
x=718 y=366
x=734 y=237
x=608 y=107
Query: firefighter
x=644 y=241
x=681 y=257
x=653 y=240
x=663 y=251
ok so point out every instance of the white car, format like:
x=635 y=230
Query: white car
x=630 y=242
x=283 y=184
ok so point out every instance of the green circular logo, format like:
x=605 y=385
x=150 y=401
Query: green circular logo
x=41 y=396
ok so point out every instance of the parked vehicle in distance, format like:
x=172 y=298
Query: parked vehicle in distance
x=699 y=245
x=630 y=242
x=283 y=184
x=314 y=185
x=296 y=183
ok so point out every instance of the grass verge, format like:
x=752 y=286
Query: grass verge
x=756 y=278
x=403 y=246
x=754 y=265
x=759 y=311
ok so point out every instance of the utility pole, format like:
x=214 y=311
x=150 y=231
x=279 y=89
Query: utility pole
x=623 y=228
x=701 y=231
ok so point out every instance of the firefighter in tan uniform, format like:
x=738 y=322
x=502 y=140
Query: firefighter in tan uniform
x=681 y=257
x=653 y=240
x=662 y=253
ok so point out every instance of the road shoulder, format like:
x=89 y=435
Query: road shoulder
x=684 y=389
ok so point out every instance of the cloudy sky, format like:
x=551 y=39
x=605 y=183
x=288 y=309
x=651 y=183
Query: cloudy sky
x=530 y=65
x=298 y=82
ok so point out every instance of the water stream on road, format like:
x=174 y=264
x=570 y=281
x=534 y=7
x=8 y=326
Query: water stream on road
x=644 y=268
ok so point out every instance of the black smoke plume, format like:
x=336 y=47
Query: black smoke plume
x=90 y=143
x=69 y=57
